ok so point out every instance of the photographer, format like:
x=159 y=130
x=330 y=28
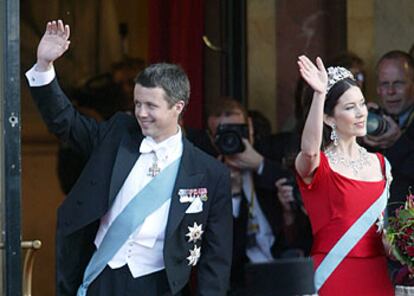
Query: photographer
x=262 y=224
x=391 y=128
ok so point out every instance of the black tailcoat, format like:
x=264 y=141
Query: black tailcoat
x=112 y=148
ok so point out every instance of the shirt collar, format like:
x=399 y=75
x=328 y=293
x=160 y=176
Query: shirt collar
x=162 y=149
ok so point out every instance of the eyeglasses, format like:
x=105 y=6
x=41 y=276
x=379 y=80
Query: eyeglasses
x=396 y=85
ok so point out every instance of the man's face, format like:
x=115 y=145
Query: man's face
x=395 y=85
x=155 y=117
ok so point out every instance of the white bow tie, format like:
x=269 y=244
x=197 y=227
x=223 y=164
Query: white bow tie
x=148 y=146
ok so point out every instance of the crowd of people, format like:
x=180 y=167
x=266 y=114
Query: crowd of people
x=159 y=209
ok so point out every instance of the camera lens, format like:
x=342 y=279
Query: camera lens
x=376 y=124
x=230 y=143
x=229 y=138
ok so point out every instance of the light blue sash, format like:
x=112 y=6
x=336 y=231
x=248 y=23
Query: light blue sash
x=150 y=198
x=353 y=235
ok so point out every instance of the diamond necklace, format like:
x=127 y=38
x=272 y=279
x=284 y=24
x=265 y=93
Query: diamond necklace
x=336 y=157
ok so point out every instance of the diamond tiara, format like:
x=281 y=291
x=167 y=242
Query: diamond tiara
x=336 y=74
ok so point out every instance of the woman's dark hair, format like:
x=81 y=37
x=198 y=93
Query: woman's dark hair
x=332 y=97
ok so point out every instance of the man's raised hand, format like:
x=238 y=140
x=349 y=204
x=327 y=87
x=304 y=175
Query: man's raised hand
x=53 y=44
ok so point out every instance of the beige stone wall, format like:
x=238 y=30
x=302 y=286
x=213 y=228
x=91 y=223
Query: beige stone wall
x=394 y=26
x=378 y=26
x=261 y=58
x=360 y=33
x=135 y=15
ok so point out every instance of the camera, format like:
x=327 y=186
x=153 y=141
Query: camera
x=376 y=124
x=229 y=138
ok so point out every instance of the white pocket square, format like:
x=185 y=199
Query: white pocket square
x=195 y=207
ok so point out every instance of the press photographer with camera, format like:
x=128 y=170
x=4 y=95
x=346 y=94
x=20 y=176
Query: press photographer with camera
x=260 y=233
x=390 y=127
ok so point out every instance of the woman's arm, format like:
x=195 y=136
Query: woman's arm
x=308 y=158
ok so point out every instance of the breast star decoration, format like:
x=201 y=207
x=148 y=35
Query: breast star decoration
x=195 y=254
x=195 y=232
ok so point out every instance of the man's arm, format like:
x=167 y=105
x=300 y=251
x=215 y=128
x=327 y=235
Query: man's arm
x=57 y=111
x=266 y=171
x=216 y=252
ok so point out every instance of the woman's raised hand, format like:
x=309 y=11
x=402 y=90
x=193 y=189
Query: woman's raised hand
x=314 y=75
x=53 y=44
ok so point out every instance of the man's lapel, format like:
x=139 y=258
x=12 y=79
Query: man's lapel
x=128 y=153
x=189 y=176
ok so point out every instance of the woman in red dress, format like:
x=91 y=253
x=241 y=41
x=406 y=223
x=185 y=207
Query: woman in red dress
x=344 y=187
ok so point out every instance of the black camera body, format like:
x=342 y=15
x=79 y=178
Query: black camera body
x=376 y=123
x=229 y=137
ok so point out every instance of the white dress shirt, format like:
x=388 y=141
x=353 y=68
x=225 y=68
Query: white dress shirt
x=143 y=251
x=36 y=78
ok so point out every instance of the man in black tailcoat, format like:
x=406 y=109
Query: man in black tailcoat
x=190 y=228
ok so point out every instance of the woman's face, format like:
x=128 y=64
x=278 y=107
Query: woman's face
x=350 y=114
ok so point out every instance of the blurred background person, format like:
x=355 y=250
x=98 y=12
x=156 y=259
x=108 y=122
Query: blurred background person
x=390 y=125
x=391 y=131
x=265 y=227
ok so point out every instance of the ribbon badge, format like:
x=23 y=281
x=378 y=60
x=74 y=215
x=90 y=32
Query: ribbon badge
x=189 y=195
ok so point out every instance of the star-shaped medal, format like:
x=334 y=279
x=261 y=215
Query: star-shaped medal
x=194 y=256
x=195 y=232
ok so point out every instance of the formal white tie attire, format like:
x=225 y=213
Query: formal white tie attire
x=143 y=252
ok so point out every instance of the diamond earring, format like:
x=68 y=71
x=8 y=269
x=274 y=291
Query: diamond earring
x=334 y=136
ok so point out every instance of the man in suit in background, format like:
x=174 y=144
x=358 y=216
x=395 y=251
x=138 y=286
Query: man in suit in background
x=148 y=206
x=258 y=154
x=395 y=137
x=264 y=229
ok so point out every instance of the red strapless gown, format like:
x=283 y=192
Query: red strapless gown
x=334 y=202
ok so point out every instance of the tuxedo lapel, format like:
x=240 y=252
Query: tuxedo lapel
x=128 y=153
x=189 y=176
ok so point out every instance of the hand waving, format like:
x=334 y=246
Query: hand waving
x=314 y=75
x=53 y=44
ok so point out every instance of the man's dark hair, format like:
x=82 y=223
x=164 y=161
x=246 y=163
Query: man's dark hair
x=226 y=106
x=399 y=55
x=170 y=77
